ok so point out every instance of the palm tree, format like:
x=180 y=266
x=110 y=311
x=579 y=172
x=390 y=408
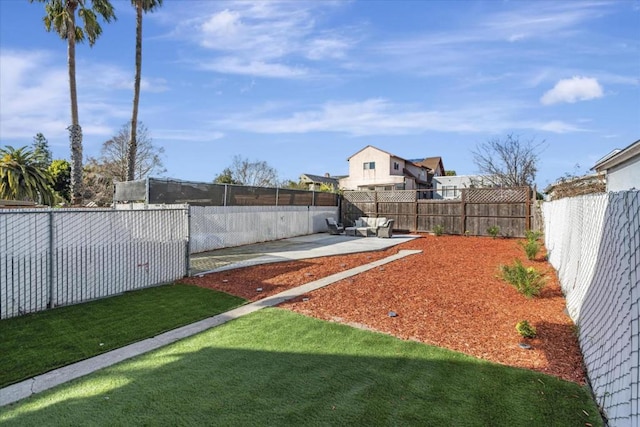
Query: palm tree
x=21 y=177
x=146 y=6
x=61 y=16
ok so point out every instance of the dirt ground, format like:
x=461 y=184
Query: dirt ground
x=450 y=295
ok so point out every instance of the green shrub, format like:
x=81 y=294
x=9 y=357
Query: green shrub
x=525 y=329
x=438 y=230
x=532 y=235
x=493 y=231
x=531 y=248
x=528 y=281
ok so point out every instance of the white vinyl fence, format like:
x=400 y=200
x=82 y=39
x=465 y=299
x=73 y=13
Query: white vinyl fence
x=594 y=244
x=215 y=227
x=50 y=258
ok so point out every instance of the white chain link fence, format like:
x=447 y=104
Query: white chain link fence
x=594 y=244
x=50 y=258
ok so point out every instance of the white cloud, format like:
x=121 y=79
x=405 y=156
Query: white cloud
x=234 y=65
x=382 y=117
x=572 y=90
x=262 y=38
x=558 y=126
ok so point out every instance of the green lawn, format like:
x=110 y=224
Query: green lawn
x=276 y=367
x=36 y=343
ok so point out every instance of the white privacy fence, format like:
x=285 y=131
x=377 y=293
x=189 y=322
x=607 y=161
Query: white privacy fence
x=215 y=227
x=57 y=257
x=50 y=258
x=594 y=244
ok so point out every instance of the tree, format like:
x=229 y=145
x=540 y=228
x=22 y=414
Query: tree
x=41 y=150
x=450 y=173
x=256 y=173
x=113 y=160
x=61 y=16
x=140 y=6
x=111 y=166
x=60 y=172
x=508 y=162
x=21 y=177
x=225 y=177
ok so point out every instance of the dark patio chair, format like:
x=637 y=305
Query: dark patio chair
x=334 y=227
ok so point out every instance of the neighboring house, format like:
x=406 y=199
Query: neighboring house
x=314 y=182
x=374 y=169
x=576 y=186
x=450 y=187
x=433 y=163
x=622 y=168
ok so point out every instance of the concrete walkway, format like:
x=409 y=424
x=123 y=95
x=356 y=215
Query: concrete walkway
x=37 y=384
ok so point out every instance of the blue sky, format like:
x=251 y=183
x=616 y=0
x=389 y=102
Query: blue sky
x=304 y=85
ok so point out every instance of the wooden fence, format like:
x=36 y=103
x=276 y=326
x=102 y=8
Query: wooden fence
x=473 y=213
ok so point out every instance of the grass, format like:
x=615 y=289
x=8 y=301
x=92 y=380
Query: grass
x=36 y=343
x=276 y=367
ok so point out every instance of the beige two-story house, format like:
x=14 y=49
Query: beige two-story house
x=374 y=169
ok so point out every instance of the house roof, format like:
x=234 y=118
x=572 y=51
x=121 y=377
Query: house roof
x=375 y=148
x=432 y=163
x=319 y=179
x=616 y=157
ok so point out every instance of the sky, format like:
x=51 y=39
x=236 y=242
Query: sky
x=305 y=85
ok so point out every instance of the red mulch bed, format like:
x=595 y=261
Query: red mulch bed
x=450 y=296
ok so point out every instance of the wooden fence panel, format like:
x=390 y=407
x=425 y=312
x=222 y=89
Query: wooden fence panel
x=403 y=213
x=475 y=212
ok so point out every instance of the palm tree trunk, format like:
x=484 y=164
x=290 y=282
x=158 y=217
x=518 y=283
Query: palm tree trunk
x=75 y=131
x=133 y=143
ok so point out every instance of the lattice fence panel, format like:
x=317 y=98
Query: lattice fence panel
x=497 y=195
x=360 y=196
x=407 y=196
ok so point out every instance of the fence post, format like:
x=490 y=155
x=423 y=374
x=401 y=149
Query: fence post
x=527 y=221
x=463 y=211
x=416 y=210
x=51 y=301
x=188 y=242
x=224 y=202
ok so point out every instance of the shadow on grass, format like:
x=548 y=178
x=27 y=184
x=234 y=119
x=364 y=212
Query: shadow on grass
x=279 y=368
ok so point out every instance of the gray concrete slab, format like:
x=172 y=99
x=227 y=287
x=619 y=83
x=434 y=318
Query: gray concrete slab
x=295 y=248
x=21 y=390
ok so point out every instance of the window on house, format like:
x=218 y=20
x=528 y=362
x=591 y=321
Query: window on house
x=396 y=166
x=369 y=165
x=449 y=191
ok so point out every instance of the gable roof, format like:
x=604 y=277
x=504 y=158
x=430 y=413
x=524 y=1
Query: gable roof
x=375 y=148
x=432 y=163
x=616 y=157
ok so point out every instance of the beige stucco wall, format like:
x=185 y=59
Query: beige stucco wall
x=383 y=174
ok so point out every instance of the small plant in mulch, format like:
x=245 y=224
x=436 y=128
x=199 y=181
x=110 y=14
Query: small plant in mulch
x=527 y=280
x=438 y=230
x=493 y=231
x=467 y=233
x=531 y=245
x=525 y=329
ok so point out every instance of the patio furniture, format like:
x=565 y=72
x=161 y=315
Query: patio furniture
x=365 y=226
x=357 y=231
x=386 y=229
x=334 y=227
